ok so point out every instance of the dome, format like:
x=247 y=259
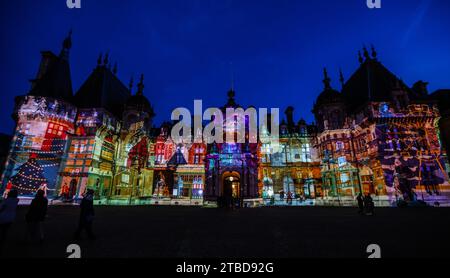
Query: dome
x=139 y=102
x=329 y=96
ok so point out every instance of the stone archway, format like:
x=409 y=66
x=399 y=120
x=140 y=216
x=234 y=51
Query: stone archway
x=231 y=184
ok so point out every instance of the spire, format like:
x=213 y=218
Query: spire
x=106 y=59
x=366 y=53
x=141 y=86
x=66 y=46
x=99 y=60
x=341 y=78
x=326 y=79
x=130 y=85
x=67 y=43
x=360 y=58
x=231 y=94
x=374 y=52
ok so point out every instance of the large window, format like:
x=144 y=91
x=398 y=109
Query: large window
x=265 y=153
x=306 y=153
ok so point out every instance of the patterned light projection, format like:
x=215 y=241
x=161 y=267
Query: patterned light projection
x=375 y=136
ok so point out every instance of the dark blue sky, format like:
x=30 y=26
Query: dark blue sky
x=278 y=47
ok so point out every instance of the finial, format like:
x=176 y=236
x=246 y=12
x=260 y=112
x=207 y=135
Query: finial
x=231 y=94
x=67 y=43
x=130 y=85
x=326 y=79
x=360 y=58
x=106 y=59
x=366 y=53
x=141 y=85
x=374 y=52
x=341 y=77
x=99 y=60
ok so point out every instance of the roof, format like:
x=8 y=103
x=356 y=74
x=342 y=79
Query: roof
x=53 y=78
x=177 y=159
x=102 y=89
x=372 y=82
x=231 y=103
x=442 y=97
x=139 y=102
x=329 y=96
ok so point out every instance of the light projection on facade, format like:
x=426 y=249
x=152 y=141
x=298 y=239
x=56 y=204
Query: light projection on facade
x=374 y=136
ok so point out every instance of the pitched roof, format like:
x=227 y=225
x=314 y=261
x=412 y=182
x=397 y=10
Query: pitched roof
x=372 y=82
x=443 y=100
x=177 y=159
x=53 y=79
x=102 y=89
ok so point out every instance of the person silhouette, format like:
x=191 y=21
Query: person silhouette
x=87 y=215
x=360 y=200
x=36 y=216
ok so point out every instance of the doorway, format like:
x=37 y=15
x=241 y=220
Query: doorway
x=231 y=189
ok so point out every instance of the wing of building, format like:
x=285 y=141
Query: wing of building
x=374 y=136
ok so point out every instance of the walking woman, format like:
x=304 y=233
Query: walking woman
x=36 y=216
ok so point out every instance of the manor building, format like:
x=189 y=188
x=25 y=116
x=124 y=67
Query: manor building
x=379 y=136
x=374 y=136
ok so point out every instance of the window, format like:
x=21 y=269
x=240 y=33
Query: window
x=345 y=178
x=305 y=155
x=342 y=161
x=339 y=146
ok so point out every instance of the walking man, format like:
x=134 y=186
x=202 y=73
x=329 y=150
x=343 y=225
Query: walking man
x=360 y=200
x=86 y=215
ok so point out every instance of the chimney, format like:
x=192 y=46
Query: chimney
x=290 y=117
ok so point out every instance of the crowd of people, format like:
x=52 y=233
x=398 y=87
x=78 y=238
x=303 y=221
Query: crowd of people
x=37 y=213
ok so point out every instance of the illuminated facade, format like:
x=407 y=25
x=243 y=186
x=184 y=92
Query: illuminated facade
x=375 y=136
x=294 y=168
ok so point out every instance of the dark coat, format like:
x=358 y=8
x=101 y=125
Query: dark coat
x=87 y=209
x=37 y=210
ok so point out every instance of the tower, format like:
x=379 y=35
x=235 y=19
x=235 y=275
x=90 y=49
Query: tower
x=138 y=112
x=44 y=117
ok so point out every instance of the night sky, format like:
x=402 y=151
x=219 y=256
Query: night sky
x=278 y=48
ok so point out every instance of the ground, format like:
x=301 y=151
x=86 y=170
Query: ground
x=256 y=233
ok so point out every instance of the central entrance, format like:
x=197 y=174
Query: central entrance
x=231 y=187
